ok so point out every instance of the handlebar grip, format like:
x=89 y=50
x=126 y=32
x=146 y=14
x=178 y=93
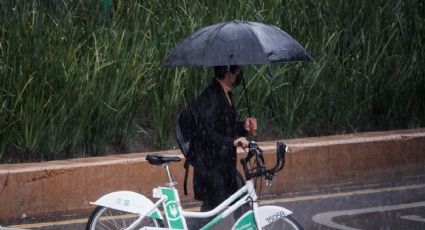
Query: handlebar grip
x=280 y=157
x=239 y=144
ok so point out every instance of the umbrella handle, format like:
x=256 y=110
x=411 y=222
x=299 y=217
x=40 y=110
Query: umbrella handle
x=253 y=132
x=246 y=97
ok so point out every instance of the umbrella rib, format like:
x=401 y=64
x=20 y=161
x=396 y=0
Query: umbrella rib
x=259 y=40
x=211 y=37
x=295 y=42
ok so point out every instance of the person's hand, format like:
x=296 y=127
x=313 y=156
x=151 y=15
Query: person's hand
x=241 y=142
x=250 y=124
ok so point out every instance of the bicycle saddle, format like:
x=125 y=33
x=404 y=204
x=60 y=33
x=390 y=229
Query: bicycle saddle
x=155 y=159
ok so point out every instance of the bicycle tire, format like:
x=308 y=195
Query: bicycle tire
x=105 y=218
x=286 y=223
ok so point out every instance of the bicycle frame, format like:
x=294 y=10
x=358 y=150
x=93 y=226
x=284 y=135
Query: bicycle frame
x=176 y=212
x=256 y=218
x=176 y=215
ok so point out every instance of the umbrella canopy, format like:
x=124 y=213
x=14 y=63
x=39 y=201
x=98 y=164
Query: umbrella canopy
x=236 y=43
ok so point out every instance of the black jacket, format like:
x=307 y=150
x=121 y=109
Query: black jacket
x=215 y=174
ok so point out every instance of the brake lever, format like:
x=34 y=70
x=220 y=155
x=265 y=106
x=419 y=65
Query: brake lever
x=269 y=178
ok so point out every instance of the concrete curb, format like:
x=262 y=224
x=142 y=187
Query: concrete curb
x=63 y=187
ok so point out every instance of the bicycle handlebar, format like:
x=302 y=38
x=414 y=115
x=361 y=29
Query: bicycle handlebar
x=260 y=168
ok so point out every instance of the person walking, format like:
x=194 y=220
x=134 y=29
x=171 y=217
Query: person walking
x=217 y=135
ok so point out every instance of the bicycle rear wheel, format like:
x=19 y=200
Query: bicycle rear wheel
x=105 y=218
x=287 y=222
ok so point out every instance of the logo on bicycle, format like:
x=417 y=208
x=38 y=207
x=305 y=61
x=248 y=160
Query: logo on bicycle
x=122 y=202
x=172 y=210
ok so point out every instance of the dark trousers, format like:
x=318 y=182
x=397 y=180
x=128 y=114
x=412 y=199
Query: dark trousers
x=210 y=204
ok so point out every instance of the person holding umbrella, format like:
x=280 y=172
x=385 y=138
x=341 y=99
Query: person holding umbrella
x=225 y=46
x=216 y=137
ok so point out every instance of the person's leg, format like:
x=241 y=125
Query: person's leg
x=240 y=182
x=207 y=205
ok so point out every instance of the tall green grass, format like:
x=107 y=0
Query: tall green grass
x=72 y=81
x=77 y=77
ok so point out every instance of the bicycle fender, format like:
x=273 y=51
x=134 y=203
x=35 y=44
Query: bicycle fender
x=128 y=201
x=266 y=215
x=269 y=214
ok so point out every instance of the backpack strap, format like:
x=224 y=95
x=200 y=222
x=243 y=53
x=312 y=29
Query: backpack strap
x=186 y=174
x=184 y=133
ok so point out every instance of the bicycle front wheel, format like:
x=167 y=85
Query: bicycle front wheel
x=287 y=222
x=105 y=218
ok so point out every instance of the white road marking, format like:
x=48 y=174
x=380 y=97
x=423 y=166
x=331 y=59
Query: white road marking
x=414 y=218
x=326 y=217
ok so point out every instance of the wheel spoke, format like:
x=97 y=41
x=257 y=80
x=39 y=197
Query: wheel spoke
x=104 y=218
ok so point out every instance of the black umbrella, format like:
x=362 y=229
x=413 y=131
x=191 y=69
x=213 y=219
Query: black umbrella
x=236 y=43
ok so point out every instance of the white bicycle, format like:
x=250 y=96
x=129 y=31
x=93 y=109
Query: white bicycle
x=130 y=210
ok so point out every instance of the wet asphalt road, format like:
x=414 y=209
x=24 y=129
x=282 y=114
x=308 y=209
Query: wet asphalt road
x=400 y=207
x=392 y=206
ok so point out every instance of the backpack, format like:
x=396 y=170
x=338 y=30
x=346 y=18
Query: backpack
x=185 y=130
